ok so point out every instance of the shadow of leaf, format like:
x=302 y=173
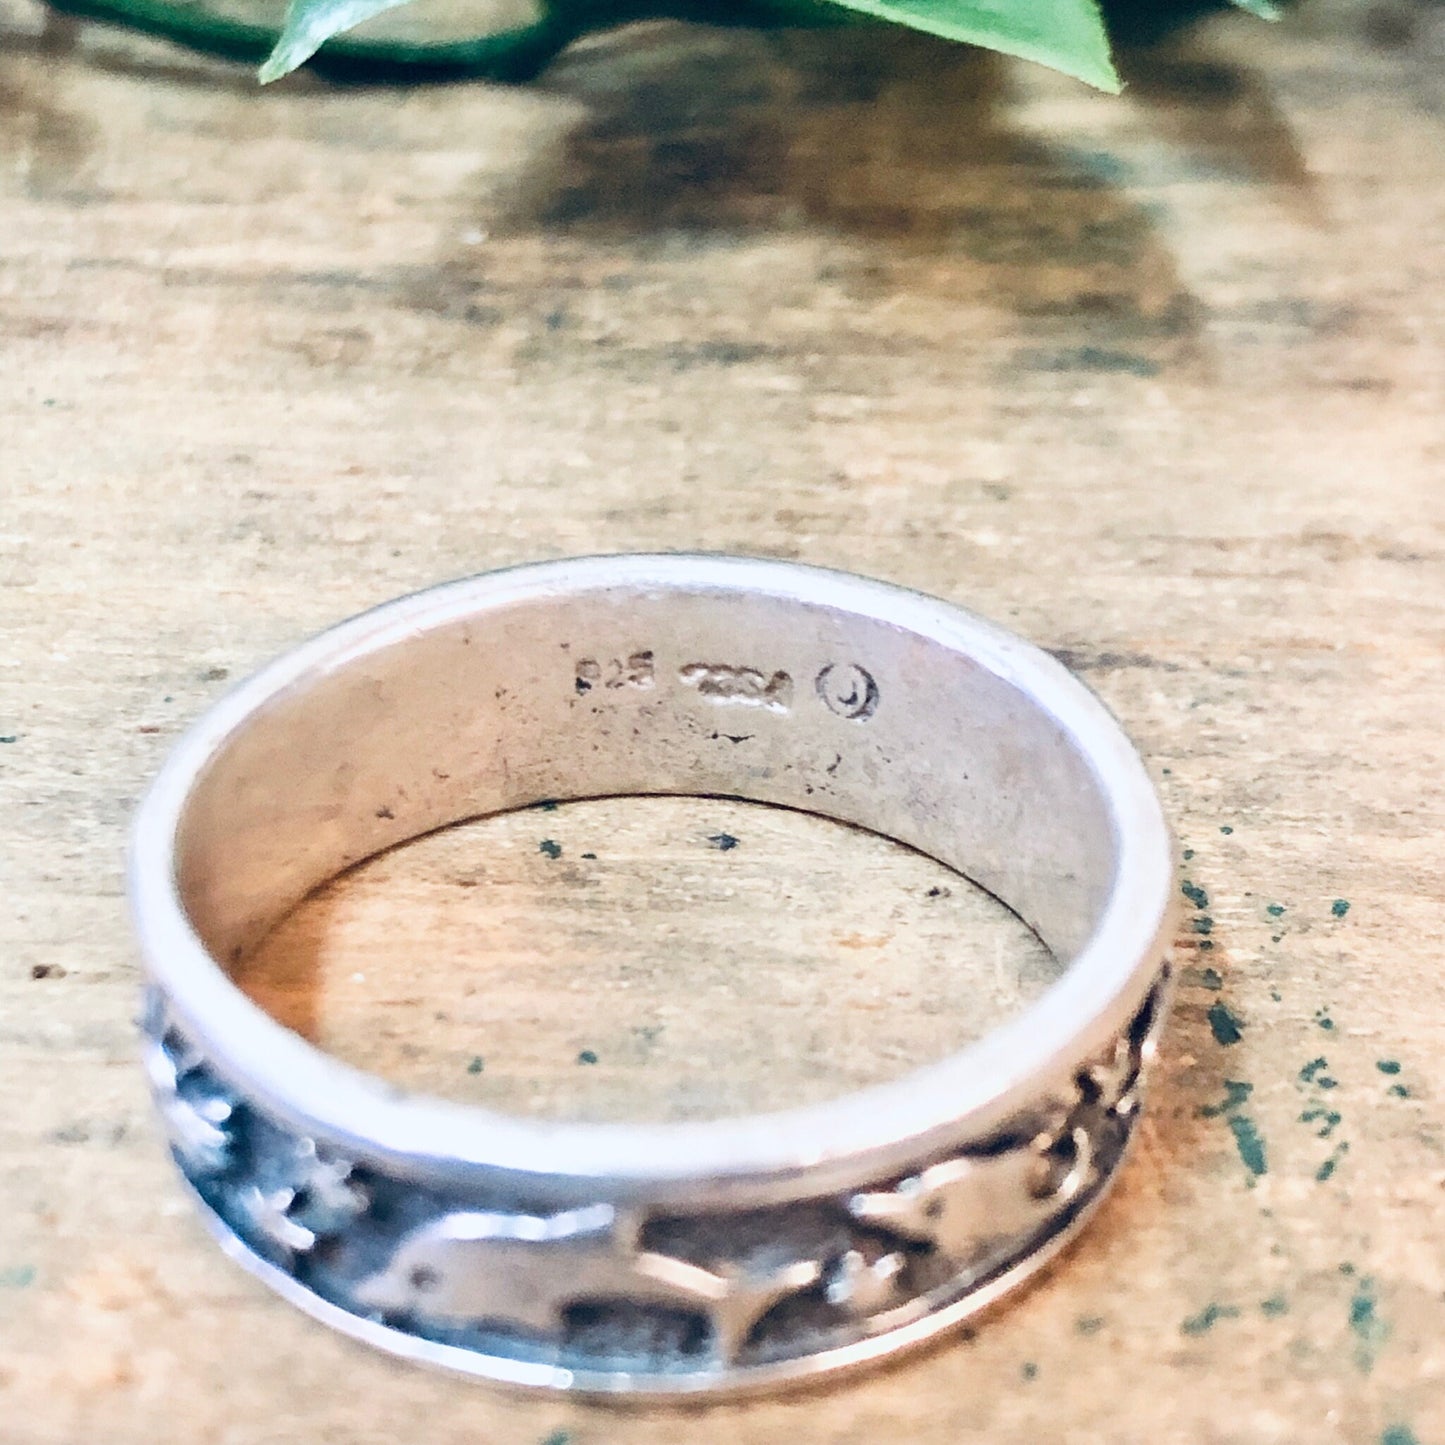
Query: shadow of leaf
x=898 y=143
x=1221 y=118
x=48 y=144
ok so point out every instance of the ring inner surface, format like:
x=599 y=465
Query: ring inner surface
x=618 y=691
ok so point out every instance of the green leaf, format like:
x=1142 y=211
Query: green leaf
x=1065 y=34
x=310 y=24
x=510 y=39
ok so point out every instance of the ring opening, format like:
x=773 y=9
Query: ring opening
x=667 y=959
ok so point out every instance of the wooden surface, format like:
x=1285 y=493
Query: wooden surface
x=1156 y=381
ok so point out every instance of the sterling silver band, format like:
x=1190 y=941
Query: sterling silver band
x=656 y=1259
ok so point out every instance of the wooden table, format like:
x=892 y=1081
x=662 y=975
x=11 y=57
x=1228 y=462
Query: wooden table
x=1155 y=380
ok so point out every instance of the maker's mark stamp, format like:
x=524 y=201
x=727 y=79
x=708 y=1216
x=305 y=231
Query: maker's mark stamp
x=721 y=682
x=848 y=690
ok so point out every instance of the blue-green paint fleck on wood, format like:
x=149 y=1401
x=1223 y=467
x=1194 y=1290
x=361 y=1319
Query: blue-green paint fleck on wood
x=1089 y=1324
x=1029 y=1370
x=723 y=842
x=1369 y=1330
x=1207 y=1318
x=1399 y=1435
x=19 y=1276
x=1250 y=1145
x=1236 y=1091
x=587 y=1056
x=1275 y=910
x=1328 y=1119
x=1247 y=1138
x=1225 y=1026
x=1194 y=893
x=1273 y=1307
x=1388 y=1066
x=477 y=1064
x=558 y=1437
x=1313 y=1069
x=1327 y=1170
x=1225 y=829
x=550 y=847
x=1398 y=1091
x=1340 y=907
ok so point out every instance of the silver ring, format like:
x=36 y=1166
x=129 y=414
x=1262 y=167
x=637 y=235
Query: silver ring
x=655 y=1259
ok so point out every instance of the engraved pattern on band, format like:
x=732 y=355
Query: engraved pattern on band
x=613 y=1293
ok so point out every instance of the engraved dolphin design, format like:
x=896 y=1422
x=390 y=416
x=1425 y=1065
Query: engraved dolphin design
x=964 y=1207
x=527 y=1270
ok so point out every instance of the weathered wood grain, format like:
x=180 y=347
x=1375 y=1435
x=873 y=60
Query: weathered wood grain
x=1157 y=381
